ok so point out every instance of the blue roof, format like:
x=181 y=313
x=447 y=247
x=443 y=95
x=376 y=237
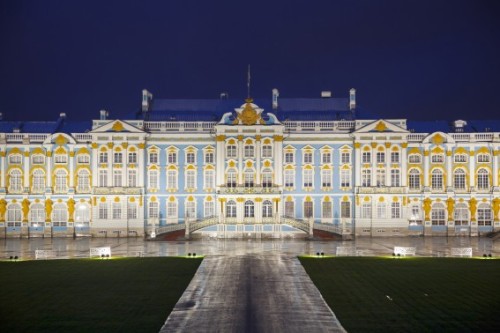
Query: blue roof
x=472 y=126
x=59 y=126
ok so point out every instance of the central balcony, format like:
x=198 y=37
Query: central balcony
x=258 y=189
x=117 y=190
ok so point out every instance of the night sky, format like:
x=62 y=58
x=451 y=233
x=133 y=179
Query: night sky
x=407 y=59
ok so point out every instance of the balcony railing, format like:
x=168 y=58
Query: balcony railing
x=250 y=190
x=381 y=189
x=117 y=190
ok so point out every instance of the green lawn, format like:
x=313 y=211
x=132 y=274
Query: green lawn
x=91 y=295
x=410 y=294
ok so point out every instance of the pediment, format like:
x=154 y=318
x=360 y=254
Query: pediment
x=381 y=126
x=117 y=126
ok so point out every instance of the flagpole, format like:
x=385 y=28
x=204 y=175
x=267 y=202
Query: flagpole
x=248 y=82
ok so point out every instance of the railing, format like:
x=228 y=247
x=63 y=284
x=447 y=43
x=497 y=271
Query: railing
x=250 y=190
x=202 y=223
x=296 y=223
x=341 y=229
x=117 y=190
x=179 y=126
x=83 y=137
x=169 y=228
x=381 y=189
x=416 y=137
x=300 y=126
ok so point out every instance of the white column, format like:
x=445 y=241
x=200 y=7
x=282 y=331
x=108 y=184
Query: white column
x=472 y=167
x=219 y=156
x=278 y=160
x=257 y=161
x=49 y=168
x=495 y=166
x=404 y=164
x=240 y=159
x=357 y=166
x=449 y=173
x=110 y=166
x=2 y=174
x=388 y=167
x=71 y=167
x=426 y=167
x=140 y=166
x=26 y=168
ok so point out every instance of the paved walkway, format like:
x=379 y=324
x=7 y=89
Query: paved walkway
x=251 y=293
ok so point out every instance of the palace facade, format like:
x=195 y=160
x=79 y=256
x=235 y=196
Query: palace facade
x=254 y=166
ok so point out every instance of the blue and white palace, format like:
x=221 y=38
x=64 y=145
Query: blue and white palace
x=249 y=168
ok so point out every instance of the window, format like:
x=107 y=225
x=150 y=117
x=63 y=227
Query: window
x=190 y=158
x=38 y=181
x=415 y=215
x=380 y=157
x=172 y=209
x=461 y=214
x=345 y=158
x=103 y=178
x=231 y=209
x=37 y=215
x=395 y=157
x=15 y=159
x=190 y=179
x=366 y=210
x=483 y=179
x=366 y=157
x=172 y=157
x=132 y=158
x=381 y=210
x=249 y=178
x=415 y=159
x=59 y=215
x=232 y=178
x=289 y=209
x=209 y=157
x=289 y=178
x=231 y=151
x=395 y=210
x=249 y=209
x=38 y=159
x=380 y=177
x=326 y=158
x=414 y=179
x=153 y=157
x=153 y=209
x=117 y=158
x=438 y=215
x=15 y=181
x=483 y=158
x=117 y=178
x=171 y=179
x=103 y=211
x=395 y=177
x=267 y=178
x=132 y=178
x=437 y=179
x=459 y=179
x=61 y=159
x=82 y=215
x=132 y=210
x=308 y=178
x=267 y=151
x=326 y=210
x=345 y=178
x=308 y=209
x=267 y=209
x=345 y=209
x=289 y=157
x=326 y=178
x=249 y=151
x=209 y=179
x=117 y=210
x=484 y=215
x=366 y=177
x=103 y=157
x=438 y=158
x=83 y=159
x=14 y=215
x=308 y=158
x=83 y=181
x=209 y=208
x=460 y=158
x=153 y=179
x=61 y=181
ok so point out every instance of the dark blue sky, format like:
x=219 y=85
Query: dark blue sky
x=413 y=59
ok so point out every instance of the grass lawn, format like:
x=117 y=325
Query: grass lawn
x=91 y=295
x=410 y=294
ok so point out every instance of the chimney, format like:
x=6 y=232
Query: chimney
x=62 y=115
x=104 y=114
x=459 y=125
x=147 y=99
x=276 y=94
x=224 y=95
x=352 y=99
x=326 y=94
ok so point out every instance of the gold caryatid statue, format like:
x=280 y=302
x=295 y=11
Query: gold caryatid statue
x=427 y=208
x=48 y=210
x=71 y=210
x=450 y=205
x=25 y=209
x=496 y=209
x=473 y=209
x=3 y=209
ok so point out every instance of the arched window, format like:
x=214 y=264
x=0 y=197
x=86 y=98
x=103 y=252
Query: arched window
x=483 y=179
x=209 y=209
x=59 y=215
x=14 y=215
x=231 y=209
x=82 y=215
x=190 y=179
x=190 y=210
x=345 y=209
x=171 y=179
x=15 y=181
x=172 y=209
x=484 y=214
x=459 y=179
x=326 y=209
x=308 y=209
x=461 y=215
x=37 y=215
x=153 y=209
x=415 y=215
x=289 y=178
x=249 y=178
x=232 y=178
x=61 y=185
x=289 y=209
x=438 y=214
x=366 y=210
x=267 y=209
x=249 y=209
x=326 y=178
x=38 y=181
x=267 y=178
x=103 y=210
x=83 y=184
x=153 y=179
x=437 y=179
x=414 y=179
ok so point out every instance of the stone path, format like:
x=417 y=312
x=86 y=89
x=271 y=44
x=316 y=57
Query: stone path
x=251 y=293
